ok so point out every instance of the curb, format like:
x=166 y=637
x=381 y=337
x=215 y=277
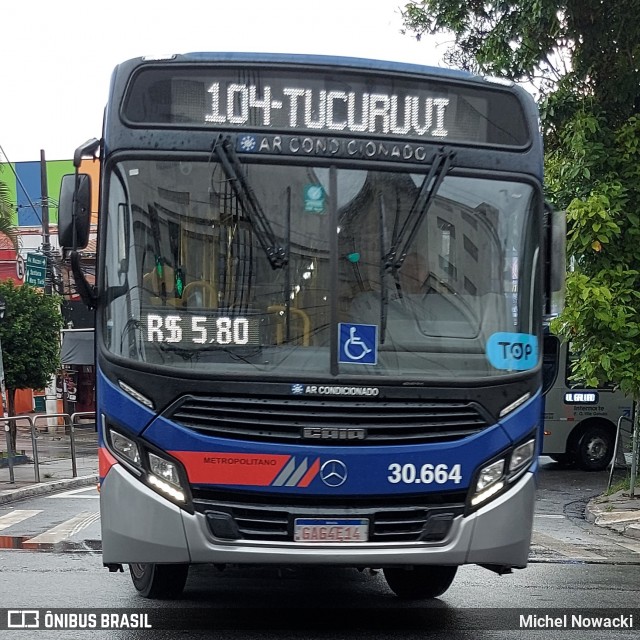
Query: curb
x=45 y=488
x=626 y=522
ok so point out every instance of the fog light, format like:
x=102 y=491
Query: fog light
x=522 y=455
x=127 y=448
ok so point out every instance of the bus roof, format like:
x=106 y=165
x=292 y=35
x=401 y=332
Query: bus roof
x=513 y=131
x=314 y=59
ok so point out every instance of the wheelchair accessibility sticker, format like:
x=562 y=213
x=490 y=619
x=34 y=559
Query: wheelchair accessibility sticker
x=358 y=343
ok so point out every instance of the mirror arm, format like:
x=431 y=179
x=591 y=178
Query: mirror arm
x=88 y=292
x=88 y=149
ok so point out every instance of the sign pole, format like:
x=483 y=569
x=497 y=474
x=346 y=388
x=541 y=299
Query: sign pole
x=5 y=406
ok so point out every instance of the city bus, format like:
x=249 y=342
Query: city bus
x=319 y=296
x=580 y=423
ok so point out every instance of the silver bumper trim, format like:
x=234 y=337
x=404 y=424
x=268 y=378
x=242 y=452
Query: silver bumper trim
x=158 y=531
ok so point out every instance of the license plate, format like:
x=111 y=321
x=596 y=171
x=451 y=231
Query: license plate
x=330 y=530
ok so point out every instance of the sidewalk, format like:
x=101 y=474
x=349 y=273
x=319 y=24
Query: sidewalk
x=617 y=512
x=55 y=463
x=57 y=477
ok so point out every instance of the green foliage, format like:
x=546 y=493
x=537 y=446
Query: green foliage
x=5 y=202
x=602 y=322
x=7 y=227
x=578 y=158
x=602 y=186
x=30 y=336
x=571 y=50
x=499 y=38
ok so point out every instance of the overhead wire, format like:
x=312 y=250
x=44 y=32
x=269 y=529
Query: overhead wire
x=19 y=182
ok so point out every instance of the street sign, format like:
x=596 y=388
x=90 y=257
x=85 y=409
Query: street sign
x=36 y=269
x=36 y=276
x=36 y=260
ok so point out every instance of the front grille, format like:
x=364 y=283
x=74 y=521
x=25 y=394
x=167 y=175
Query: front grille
x=398 y=521
x=279 y=419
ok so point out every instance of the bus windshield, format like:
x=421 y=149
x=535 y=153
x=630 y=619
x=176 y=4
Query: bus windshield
x=253 y=269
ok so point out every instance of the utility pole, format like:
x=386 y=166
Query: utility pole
x=46 y=241
x=51 y=404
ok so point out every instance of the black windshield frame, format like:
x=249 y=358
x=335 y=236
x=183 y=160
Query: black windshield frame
x=151 y=100
x=333 y=171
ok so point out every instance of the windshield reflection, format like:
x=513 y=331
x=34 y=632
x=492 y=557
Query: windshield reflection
x=198 y=278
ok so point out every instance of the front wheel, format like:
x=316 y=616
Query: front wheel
x=162 y=581
x=595 y=449
x=420 y=583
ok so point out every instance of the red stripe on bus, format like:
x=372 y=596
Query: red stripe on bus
x=311 y=474
x=105 y=462
x=249 y=469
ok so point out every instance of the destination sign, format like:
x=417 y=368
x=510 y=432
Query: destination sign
x=326 y=103
x=199 y=330
x=581 y=397
x=371 y=113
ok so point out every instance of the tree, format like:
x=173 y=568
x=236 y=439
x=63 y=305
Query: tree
x=578 y=54
x=519 y=40
x=583 y=57
x=30 y=339
x=7 y=227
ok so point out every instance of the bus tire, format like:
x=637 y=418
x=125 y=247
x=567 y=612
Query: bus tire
x=162 y=581
x=594 y=450
x=420 y=583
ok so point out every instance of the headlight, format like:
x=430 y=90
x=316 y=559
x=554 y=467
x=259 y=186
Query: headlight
x=496 y=475
x=164 y=469
x=149 y=464
x=165 y=477
x=489 y=482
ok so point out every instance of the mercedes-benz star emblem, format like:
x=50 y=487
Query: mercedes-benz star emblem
x=333 y=473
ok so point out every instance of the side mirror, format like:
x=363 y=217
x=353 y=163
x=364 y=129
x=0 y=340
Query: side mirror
x=556 y=260
x=74 y=211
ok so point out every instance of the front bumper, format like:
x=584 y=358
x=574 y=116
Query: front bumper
x=158 y=531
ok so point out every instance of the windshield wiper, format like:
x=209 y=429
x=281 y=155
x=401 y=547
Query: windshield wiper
x=395 y=256
x=276 y=254
x=393 y=259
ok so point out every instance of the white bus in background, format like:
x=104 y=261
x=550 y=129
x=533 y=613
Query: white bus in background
x=580 y=423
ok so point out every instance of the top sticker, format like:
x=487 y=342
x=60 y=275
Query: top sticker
x=512 y=351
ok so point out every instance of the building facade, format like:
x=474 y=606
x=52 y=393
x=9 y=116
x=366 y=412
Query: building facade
x=31 y=190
